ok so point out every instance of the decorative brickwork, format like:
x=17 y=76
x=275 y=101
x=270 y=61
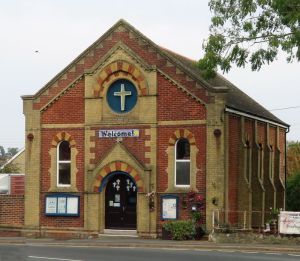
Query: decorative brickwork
x=118 y=70
x=228 y=166
x=182 y=133
x=49 y=182
x=63 y=136
x=118 y=166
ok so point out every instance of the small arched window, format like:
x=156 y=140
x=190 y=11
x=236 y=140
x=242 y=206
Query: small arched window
x=182 y=162
x=63 y=164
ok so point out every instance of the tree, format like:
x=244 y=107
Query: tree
x=10 y=168
x=12 y=151
x=2 y=151
x=293 y=192
x=251 y=31
x=5 y=156
x=293 y=157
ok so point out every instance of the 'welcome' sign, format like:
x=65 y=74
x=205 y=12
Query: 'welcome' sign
x=119 y=133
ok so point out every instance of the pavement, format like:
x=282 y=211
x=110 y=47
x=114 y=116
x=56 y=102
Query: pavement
x=135 y=242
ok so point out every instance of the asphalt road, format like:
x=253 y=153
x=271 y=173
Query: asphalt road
x=44 y=253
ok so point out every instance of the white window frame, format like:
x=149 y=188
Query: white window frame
x=57 y=166
x=182 y=160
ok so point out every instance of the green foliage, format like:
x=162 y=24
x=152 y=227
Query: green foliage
x=5 y=156
x=2 y=151
x=273 y=215
x=12 y=151
x=252 y=31
x=181 y=230
x=10 y=168
x=293 y=192
x=293 y=157
x=196 y=216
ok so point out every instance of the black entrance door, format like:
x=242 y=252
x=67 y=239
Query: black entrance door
x=120 y=202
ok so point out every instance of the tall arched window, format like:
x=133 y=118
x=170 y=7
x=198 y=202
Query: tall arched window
x=63 y=164
x=247 y=161
x=271 y=162
x=260 y=161
x=182 y=162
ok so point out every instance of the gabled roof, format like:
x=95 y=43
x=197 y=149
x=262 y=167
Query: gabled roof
x=236 y=99
x=13 y=158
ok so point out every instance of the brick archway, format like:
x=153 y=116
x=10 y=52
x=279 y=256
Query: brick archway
x=117 y=70
x=117 y=166
x=182 y=133
x=63 y=136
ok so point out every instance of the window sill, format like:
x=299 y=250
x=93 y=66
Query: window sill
x=63 y=189
x=179 y=189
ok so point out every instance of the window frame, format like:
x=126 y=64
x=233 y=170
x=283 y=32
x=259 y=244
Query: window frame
x=58 y=162
x=182 y=160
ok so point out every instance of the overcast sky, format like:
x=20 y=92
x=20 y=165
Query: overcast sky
x=61 y=29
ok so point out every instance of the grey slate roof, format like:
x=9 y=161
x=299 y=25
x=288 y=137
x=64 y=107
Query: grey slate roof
x=236 y=99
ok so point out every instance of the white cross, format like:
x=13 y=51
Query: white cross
x=122 y=93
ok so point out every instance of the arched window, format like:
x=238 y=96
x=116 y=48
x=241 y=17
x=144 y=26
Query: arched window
x=260 y=161
x=271 y=162
x=182 y=162
x=63 y=164
x=247 y=160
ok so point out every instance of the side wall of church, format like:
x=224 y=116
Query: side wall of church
x=255 y=169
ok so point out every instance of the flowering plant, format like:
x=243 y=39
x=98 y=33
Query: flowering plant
x=274 y=212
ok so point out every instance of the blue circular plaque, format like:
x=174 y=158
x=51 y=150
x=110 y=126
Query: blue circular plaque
x=121 y=96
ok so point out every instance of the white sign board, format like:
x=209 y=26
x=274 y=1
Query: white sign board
x=62 y=205
x=119 y=133
x=169 y=208
x=289 y=222
x=72 y=207
x=51 y=205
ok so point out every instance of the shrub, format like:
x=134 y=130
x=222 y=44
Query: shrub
x=292 y=192
x=181 y=230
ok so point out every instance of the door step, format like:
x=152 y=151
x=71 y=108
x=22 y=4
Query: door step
x=119 y=233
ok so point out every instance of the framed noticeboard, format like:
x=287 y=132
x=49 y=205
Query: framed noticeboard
x=62 y=205
x=169 y=207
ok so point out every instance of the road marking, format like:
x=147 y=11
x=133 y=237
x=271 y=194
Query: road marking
x=53 y=258
x=225 y=251
x=249 y=252
x=275 y=254
x=293 y=255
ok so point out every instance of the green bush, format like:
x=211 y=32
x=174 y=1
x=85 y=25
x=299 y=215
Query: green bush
x=181 y=230
x=292 y=192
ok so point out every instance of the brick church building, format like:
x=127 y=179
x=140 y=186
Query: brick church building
x=124 y=135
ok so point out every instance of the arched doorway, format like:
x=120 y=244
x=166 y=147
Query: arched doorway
x=120 y=201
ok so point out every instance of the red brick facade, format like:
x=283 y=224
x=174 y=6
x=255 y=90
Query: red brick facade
x=266 y=161
x=173 y=103
x=12 y=210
